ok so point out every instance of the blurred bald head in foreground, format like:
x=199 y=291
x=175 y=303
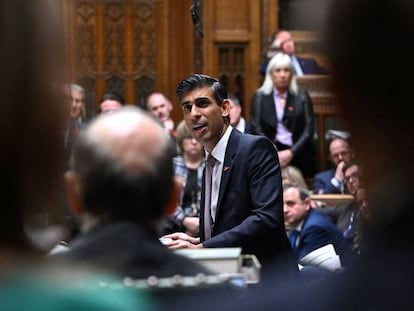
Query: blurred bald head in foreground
x=121 y=169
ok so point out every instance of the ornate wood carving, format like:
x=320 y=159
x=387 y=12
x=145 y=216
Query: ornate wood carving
x=144 y=40
x=114 y=30
x=85 y=34
x=232 y=68
x=144 y=74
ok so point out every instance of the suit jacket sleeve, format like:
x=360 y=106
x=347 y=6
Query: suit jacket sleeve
x=322 y=181
x=314 y=238
x=253 y=196
x=306 y=135
x=255 y=125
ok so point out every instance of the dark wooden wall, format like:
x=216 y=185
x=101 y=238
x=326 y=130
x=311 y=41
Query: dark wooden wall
x=137 y=46
x=134 y=47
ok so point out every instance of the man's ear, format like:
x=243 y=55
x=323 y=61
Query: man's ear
x=225 y=106
x=308 y=204
x=73 y=192
x=174 y=197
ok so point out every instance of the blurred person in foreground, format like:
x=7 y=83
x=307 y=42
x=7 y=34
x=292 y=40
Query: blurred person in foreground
x=32 y=160
x=120 y=163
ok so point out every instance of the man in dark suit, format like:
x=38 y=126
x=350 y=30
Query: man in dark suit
x=310 y=229
x=345 y=216
x=246 y=199
x=283 y=42
x=332 y=180
x=119 y=186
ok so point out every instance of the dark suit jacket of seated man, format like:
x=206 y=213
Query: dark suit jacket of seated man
x=308 y=65
x=283 y=42
x=248 y=207
x=315 y=229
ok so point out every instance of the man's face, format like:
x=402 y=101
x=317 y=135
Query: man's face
x=235 y=114
x=281 y=78
x=160 y=107
x=287 y=45
x=76 y=104
x=110 y=105
x=339 y=151
x=351 y=176
x=295 y=210
x=204 y=117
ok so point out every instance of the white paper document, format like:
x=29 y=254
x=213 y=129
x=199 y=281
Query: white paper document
x=324 y=257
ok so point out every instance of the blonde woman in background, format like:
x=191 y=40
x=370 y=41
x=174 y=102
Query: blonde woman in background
x=291 y=174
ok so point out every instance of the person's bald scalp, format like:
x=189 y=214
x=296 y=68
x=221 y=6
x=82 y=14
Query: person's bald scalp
x=131 y=137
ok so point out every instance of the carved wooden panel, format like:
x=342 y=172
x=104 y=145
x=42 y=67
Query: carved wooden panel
x=113 y=47
x=114 y=40
x=85 y=33
x=231 y=18
x=232 y=46
x=232 y=68
x=144 y=49
x=320 y=89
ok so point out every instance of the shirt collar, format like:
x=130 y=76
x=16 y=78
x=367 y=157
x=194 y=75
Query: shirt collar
x=299 y=226
x=277 y=94
x=219 y=150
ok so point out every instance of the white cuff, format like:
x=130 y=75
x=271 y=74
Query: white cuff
x=336 y=183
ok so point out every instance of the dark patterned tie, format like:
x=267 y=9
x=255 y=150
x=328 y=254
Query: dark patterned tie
x=293 y=238
x=210 y=162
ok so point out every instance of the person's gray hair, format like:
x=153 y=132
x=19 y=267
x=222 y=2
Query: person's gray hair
x=113 y=190
x=80 y=89
x=280 y=60
x=234 y=99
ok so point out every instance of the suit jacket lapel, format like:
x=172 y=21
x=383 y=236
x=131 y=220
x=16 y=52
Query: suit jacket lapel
x=269 y=110
x=231 y=151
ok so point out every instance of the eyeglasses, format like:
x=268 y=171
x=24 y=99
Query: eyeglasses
x=340 y=154
x=354 y=176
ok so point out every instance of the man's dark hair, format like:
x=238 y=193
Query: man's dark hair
x=199 y=81
x=350 y=164
x=113 y=192
x=303 y=193
x=112 y=96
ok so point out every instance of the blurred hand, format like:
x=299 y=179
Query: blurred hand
x=181 y=240
x=339 y=175
x=285 y=157
x=192 y=225
x=182 y=236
